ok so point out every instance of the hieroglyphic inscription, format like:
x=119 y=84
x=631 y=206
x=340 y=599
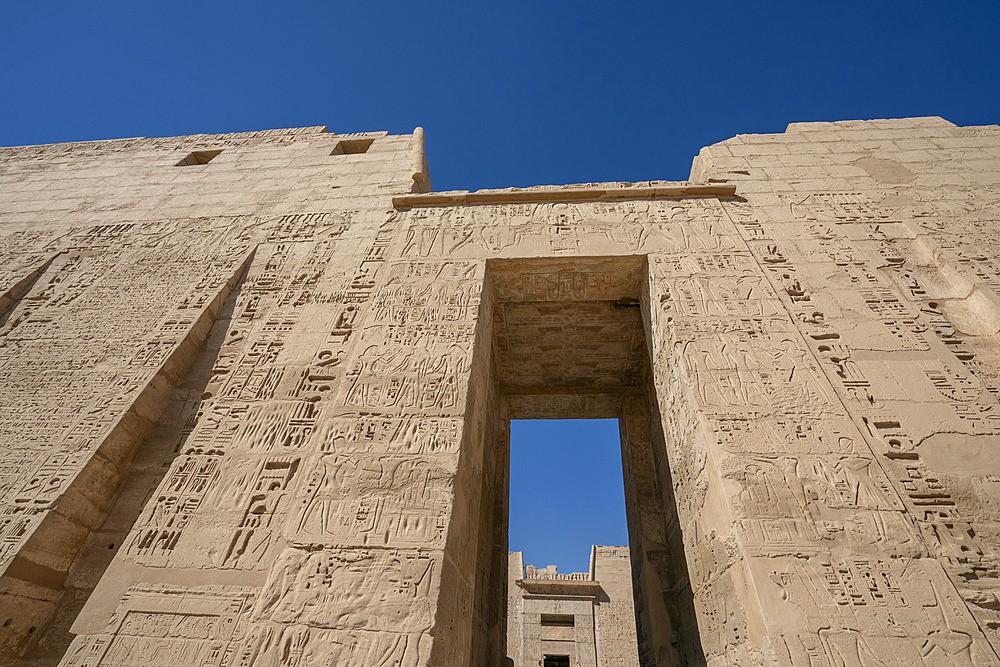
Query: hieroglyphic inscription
x=804 y=359
x=161 y=625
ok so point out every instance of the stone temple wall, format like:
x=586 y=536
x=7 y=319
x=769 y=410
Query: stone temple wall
x=255 y=392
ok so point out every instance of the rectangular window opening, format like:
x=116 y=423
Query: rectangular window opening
x=556 y=661
x=352 y=146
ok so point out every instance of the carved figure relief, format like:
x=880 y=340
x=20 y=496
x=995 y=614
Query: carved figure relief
x=301 y=396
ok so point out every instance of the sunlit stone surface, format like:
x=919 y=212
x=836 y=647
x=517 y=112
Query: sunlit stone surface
x=255 y=392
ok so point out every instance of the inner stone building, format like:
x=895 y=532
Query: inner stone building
x=255 y=394
x=574 y=619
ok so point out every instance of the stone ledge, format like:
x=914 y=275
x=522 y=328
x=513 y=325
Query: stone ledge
x=680 y=191
x=560 y=587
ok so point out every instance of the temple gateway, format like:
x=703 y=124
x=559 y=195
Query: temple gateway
x=256 y=388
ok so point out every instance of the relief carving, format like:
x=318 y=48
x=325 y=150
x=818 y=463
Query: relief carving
x=304 y=399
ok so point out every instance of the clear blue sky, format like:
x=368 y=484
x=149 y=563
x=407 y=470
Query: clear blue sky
x=511 y=94
x=566 y=490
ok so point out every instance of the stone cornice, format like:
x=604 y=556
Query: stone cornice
x=568 y=193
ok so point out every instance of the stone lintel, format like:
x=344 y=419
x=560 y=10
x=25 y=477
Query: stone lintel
x=679 y=191
x=561 y=587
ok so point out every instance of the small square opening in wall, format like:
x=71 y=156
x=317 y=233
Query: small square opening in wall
x=352 y=146
x=198 y=157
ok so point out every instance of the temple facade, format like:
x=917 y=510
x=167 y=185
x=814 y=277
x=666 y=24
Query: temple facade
x=576 y=619
x=255 y=394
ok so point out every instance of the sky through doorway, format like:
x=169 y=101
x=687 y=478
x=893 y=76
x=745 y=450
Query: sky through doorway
x=566 y=490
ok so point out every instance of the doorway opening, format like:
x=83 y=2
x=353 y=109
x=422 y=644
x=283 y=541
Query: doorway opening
x=570 y=338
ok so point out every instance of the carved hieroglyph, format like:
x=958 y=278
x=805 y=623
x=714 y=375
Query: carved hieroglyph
x=256 y=391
